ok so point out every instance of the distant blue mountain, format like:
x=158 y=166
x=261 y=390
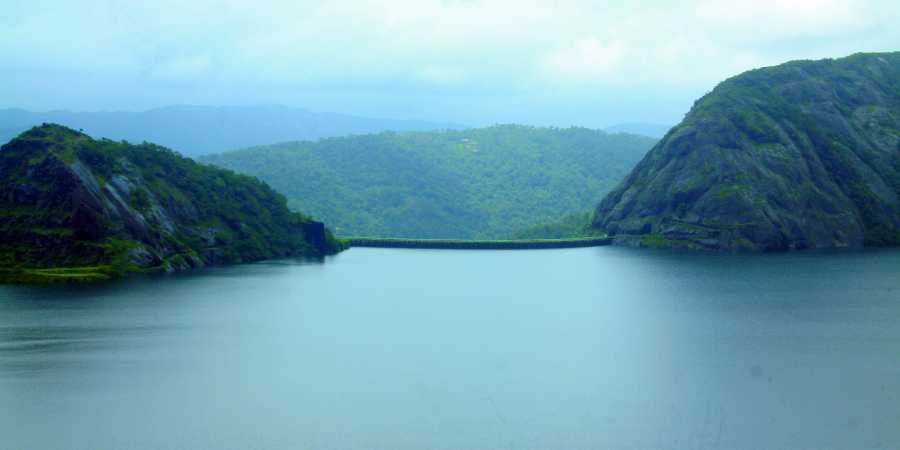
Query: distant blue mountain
x=200 y=130
x=654 y=130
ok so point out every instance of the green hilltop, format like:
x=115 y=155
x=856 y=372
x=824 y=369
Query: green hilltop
x=76 y=208
x=801 y=155
x=485 y=183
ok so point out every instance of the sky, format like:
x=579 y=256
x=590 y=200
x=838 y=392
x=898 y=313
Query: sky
x=474 y=62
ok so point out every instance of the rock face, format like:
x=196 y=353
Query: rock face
x=67 y=200
x=801 y=155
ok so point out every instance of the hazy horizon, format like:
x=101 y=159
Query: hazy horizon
x=476 y=63
x=617 y=127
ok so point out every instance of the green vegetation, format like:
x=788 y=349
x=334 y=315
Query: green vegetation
x=656 y=240
x=576 y=225
x=26 y=275
x=79 y=209
x=482 y=183
x=723 y=192
x=801 y=155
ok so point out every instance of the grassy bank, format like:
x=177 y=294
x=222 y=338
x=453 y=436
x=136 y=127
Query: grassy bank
x=57 y=275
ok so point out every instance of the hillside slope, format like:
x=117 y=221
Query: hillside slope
x=482 y=183
x=801 y=155
x=199 y=130
x=72 y=206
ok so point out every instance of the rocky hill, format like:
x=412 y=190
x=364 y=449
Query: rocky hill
x=801 y=155
x=72 y=207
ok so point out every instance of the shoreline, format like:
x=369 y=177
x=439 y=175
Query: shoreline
x=465 y=244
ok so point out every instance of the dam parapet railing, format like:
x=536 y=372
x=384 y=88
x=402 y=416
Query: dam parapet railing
x=463 y=244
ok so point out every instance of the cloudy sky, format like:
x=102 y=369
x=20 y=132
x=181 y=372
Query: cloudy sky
x=592 y=63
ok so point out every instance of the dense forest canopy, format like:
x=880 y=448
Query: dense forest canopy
x=478 y=183
x=575 y=225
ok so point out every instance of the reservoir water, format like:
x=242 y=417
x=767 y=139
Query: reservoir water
x=597 y=348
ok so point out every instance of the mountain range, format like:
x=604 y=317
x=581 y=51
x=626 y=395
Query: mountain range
x=654 y=130
x=199 y=130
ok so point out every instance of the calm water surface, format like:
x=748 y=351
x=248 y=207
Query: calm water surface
x=601 y=348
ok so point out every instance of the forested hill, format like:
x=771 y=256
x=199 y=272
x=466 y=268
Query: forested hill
x=72 y=207
x=478 y=183
x=198 y=130
x=801 y=155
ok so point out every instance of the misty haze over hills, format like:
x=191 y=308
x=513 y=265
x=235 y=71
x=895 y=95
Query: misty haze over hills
x=654 y=130
x=199 y=130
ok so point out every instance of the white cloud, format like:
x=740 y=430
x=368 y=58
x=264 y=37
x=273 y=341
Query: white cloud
x=587 y=58
x=780 y=18
x=467 y=47
x=183 y=68
x=441 y=75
